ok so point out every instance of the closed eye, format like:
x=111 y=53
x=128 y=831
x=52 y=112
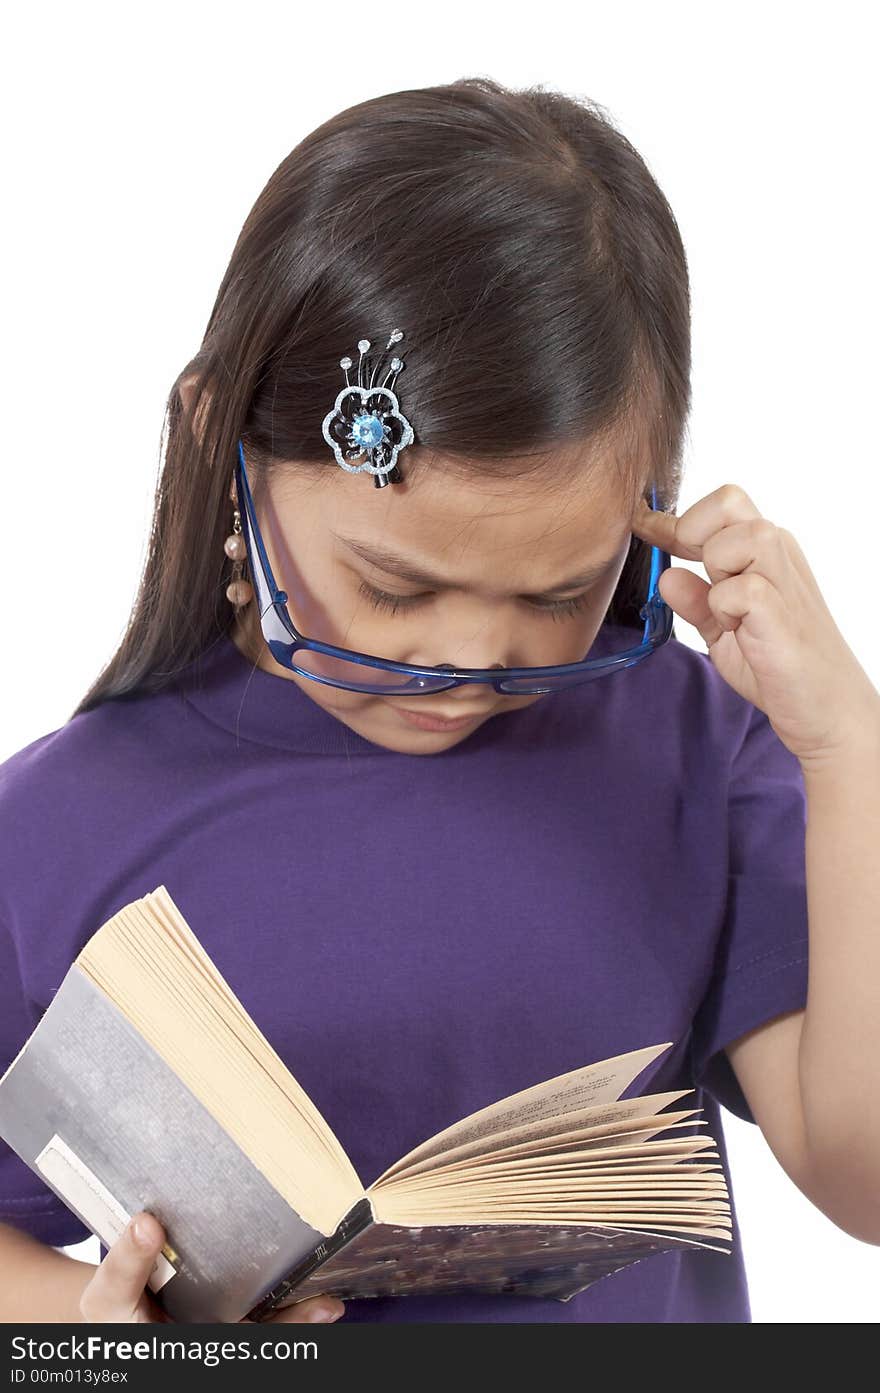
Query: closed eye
x=385 y=600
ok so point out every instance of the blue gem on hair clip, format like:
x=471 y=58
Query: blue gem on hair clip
x=366 y=420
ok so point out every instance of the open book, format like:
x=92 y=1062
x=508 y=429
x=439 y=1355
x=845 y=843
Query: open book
x=146 y=1085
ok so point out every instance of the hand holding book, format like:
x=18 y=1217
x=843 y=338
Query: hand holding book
x=147 y=1086
x=118 y=1291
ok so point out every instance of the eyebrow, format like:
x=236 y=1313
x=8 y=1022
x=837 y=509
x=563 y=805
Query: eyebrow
x=399 y=566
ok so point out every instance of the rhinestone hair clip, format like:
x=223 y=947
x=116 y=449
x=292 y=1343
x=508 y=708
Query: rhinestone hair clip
x=366 y=419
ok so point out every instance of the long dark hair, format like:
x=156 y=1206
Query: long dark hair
x=540 y=279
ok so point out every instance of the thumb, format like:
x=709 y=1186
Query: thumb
x=118 y=1285
x=147 y=1233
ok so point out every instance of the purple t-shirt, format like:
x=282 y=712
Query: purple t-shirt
x=615 y=866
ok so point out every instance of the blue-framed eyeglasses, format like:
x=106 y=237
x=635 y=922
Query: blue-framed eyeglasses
x=365 y=672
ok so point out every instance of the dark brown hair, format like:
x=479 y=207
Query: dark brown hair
x=538 y=274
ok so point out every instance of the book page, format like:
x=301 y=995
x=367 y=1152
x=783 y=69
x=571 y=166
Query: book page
x=580 y=1124
x=710 y=1215
x=523 y=1168
x=590 y=1086
x=148 y=963
x=568 y=1144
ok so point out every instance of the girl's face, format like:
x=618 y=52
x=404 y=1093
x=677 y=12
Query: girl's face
x=503 y=582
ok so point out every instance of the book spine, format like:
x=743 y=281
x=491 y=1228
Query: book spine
x=355 y=1221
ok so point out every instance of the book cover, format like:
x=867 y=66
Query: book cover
x=369 y=1258
x=88 y=1078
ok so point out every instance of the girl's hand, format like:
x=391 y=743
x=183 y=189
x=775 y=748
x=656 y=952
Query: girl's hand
x=767 y=627
x=118 y=1291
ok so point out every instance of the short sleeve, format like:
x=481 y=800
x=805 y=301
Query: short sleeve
x=760 y=968
x=26 y=1202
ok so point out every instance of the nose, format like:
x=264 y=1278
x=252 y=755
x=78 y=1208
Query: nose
x=451 y=666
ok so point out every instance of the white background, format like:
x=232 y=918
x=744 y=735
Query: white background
x=135 y=143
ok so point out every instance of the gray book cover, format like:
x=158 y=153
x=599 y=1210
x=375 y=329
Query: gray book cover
x=107 y=1124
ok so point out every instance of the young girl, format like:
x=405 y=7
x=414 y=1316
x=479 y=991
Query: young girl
x=431 y=891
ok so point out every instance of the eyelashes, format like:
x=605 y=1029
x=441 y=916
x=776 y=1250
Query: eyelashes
x=393 y=604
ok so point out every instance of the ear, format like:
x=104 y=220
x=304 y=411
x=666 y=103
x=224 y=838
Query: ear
x=195 y=415
x=194 y=411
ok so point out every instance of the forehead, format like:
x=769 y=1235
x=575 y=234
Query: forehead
x=450 y=517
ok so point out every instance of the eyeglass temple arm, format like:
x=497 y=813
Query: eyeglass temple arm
x=270 y=599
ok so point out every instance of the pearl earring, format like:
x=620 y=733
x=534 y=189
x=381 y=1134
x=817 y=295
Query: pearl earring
x=238 y=591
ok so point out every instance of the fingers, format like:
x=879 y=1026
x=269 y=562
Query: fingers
x=685 y=536
x=753 y=545
x=311 y=1308
x=117 y=1288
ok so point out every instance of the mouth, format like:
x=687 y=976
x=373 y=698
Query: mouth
x=424 y=720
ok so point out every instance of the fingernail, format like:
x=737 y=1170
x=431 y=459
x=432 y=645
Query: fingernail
x=142 y=1233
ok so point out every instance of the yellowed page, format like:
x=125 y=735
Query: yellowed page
x=162 y=906
x=585 y=1142
x=545 y=1137
x=617 y=1183
x=682 y=1146
x=589 y=1086
x=710 y=1218
x=188 y=1019
x=523 y=1183
x=570 y=1187
x=696 y=1205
